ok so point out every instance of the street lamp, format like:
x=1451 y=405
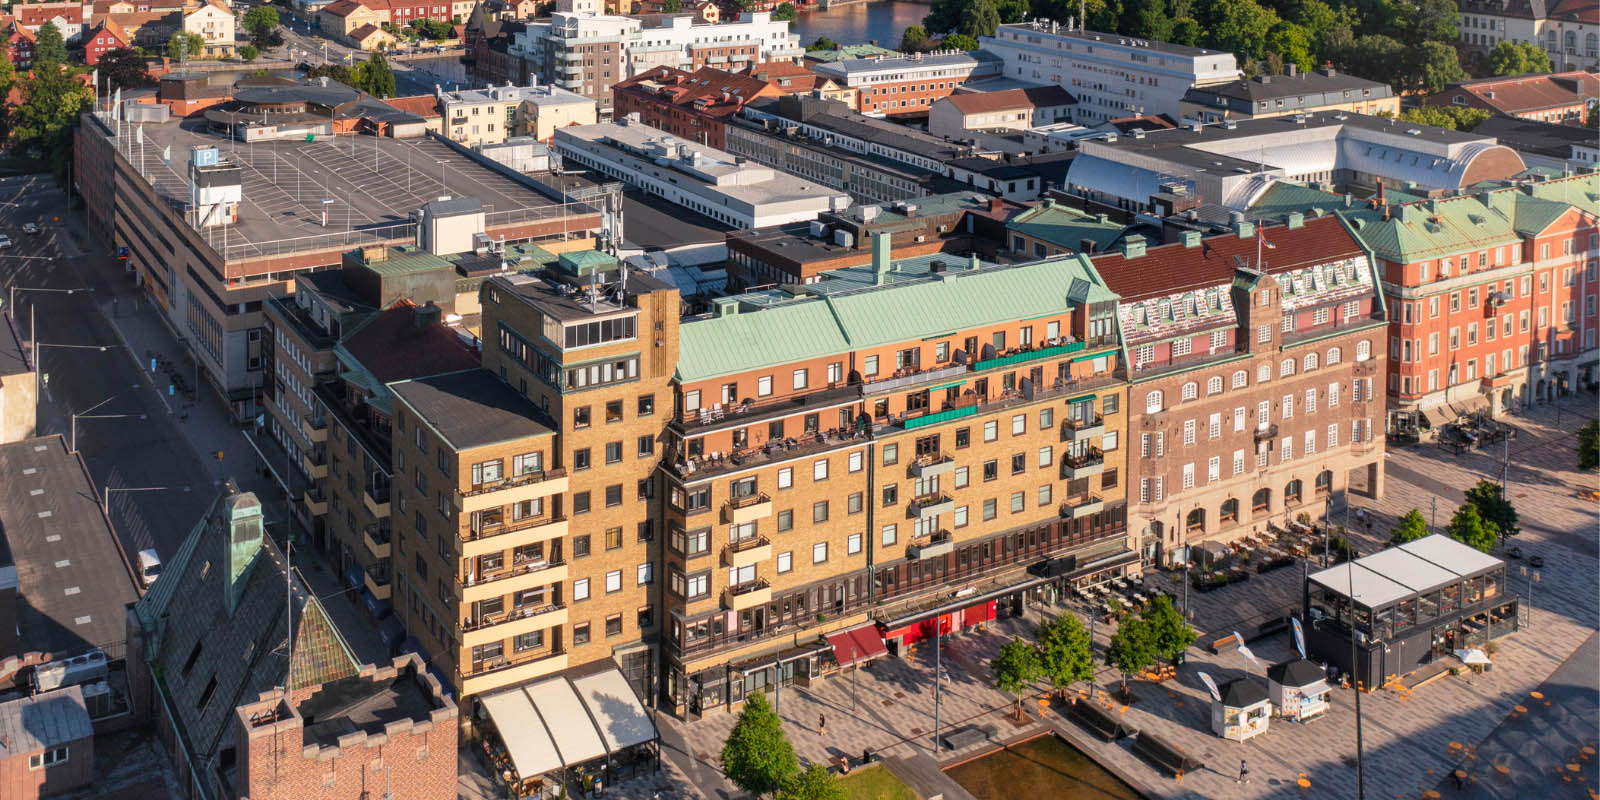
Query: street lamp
x=85 y=415
x=38 y=373
x=1533 y=578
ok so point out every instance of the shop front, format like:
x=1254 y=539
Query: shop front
x=1063 y=575
x=901 y=637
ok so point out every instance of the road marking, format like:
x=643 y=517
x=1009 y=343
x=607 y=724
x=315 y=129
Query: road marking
x=29 y=471
x=46 y=514
x=54 y=537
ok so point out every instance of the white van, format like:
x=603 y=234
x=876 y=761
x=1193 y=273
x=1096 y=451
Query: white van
x=149 y=567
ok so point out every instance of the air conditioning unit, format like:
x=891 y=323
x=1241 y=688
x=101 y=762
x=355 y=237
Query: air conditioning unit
x=921 y=238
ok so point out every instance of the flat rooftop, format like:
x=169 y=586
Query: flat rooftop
x=71 y=574
x=375 y=183
x=1021 y=32
x=472 y=408
x=364 y=704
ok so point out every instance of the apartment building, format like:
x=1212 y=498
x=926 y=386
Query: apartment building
x=958 y=115
x=1492 y=295
x=909 y=84
x=209 y=251
x=694 y=106
x=1298 y=92
x=213 y=22
x=1564 y=98
x=1567 y=30
x=1112 y=76
x=722 y=186
x=476 y=117
x=836 y=483
x=1256 y=359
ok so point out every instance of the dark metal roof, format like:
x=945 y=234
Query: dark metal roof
x=1244 y=692
x=1299 y=672
x=472 y=408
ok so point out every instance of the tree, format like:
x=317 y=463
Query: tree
x=1431 y=21
x=1430 y=66
x=1589 y=434
x=672 y=6
x=978 y=18
x=757 y=757
x=1016 y=667
x=816 y=783
x=261 y=22
x=1292 y=43
x=1409 y=528
x=1468 y=527
x=1170 y=635
x=1239 y=27
x=1186 y=31
x=1012 y=11
x=8 y=71
x=125 y=69
x=957 y=41
x=785 y=11
x=52 y=99
x=48 y=46
x=914 y=40
x=1327 y=28
x=1494 y=507
x=1064 y=653
x=1455 y=118
x=1132 y=649
x=1517 y=58
x=377 y=79
x=822 y=43
x=184 y=45
x=1372 y=56
x=249 y=52
x=1147 y=20
x=943 y=15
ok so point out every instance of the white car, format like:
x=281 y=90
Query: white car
x=5 y=241
x=30 y=227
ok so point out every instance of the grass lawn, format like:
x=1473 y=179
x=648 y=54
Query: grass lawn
x=875 y=783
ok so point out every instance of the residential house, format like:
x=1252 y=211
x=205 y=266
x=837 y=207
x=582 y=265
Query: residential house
x=1298 y=92
x=694 y=106
x=1565 y=98
x=962 y=113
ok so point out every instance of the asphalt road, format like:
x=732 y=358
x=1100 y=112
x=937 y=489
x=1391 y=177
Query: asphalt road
x=130 y=442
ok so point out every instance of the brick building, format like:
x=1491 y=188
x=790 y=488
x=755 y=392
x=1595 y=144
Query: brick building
x=46 y=744
x=1256 y=358
x=1565 y=98
x=385 y=732
x=910 y=84
x=109 y=36
x=692 y=105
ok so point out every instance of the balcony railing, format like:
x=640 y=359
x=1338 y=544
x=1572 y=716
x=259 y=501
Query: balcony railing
x=515 y=571
x=748 y=501
x=907 y=379
x=513 y=615
x=316 y=422
x=1093 y=458
x=499 y=663
x=379 y=532
x=933 y=545
x=484 y=531
x=932 y=503
x=513 y=482
x=748 y=587
x=931 y=464
x=1025 y=356
x=746 y=545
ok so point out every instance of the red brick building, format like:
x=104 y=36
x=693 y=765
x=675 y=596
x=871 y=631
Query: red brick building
x=1562 y=98
x=20 y=40
x=103 y=39
x=692 y=105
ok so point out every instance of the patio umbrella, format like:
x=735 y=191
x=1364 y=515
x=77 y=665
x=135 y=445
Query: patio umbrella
x=1473 y=656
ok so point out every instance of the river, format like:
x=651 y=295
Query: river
x=856 y=23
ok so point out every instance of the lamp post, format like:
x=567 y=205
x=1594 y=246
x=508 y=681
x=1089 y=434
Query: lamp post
x=1533 y=578
x=109 y=489
x=38 y=374
x=938 y=678
x=86 y=415
x=1355 y=677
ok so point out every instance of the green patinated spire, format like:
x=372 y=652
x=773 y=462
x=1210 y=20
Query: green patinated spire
x=242 y=515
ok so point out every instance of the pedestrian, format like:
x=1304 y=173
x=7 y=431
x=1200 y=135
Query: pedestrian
x=1244 y=773
x=822 y=725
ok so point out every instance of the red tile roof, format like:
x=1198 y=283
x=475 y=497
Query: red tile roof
x=393 y=348
x=423 y=105
x=707 y=90
x=342 y=8
x=1172 y=268
x=1516 y=94
x=989 y=102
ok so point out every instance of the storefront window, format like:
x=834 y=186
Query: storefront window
x=1363 y=617
x=1450 y=598
x=1491 y=584
x=1428 y=605
x=1474 y=591
x=1384 y=623
x=1405 y=614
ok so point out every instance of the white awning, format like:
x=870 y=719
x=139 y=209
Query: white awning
x=561 y=708
x=1370 y=589
x=1315 y=689
x=1473 y=656
x=622 y=719
x=532 y=751
x=1451 y=554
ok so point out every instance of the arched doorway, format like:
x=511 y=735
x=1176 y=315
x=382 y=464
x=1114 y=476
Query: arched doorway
x=1505 y=399
x=1324 y=483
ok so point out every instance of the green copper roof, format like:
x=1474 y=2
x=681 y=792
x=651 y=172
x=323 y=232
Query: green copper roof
x=583 y=262
x=408 y=259
x=849 y=51
x=1067 y=228
x=810 y=327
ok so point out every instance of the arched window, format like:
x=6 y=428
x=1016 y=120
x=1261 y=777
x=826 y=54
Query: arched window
x=1196 y=521
x=1286 y=368
x=1291 y=491
x=1189 y=390
x=1214 y=385
x=1591 y=45
x=1324 y=482
x=1334 y=355
x=1310 y=362
x=1572 y=42
x=1263 y=373
x=1261 y=500
x=1152 y=402
x=1240 y=379
x=1363 y=350
x=1230 y=511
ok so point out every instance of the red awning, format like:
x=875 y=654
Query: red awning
x=857 y=644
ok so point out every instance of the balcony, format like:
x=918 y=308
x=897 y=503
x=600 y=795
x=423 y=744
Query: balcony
x=493 y=538
x=515 y=489
x=906 y=379
x=1078 y=430
x=316 y=502
x=742 y=510
x=747 y=595
x=528 y=575
x=315 y=465
x=932 y=465
x=379 y=590
x=1265 y=432
x=1080 y=507
x=487 y=676
x=912 y=423
x=377 y=538
x=1083 y=466
x=1025 y=356
x=931 y=505
x=376 y=499
x=515 y=622
x=934 y=545
x=746 y=552
x=315 y=427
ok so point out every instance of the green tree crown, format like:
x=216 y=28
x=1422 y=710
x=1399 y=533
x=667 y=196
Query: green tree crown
x=1469 y=527
x=1170 y=635
x=1064 y=653
x=1409 y=528
x=816 y=783
x=757 y=757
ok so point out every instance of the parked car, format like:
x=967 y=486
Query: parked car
x=149 y=567
x=5 y=241
x=1515 y=552
x=1536 y=562
x=30 y=228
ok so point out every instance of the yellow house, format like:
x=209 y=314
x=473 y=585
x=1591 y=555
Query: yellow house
x=343 y=17
x=371 y=37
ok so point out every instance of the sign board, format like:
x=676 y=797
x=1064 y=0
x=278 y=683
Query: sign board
x=203 y=156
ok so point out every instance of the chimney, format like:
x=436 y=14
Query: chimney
x=972 y=261
x=1380 y=192
x=1133 y=246
x=1296 y=220
x=1191 y=239
x=881 y=257
x=425 y=315
x=1294 y=69
x=996 y=205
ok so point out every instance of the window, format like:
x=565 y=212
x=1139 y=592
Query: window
x=1019 y=424
x=1333 y=356
x=614 y=581
x=799 y=379
x=819 y=552
x=989 y=509
x=613 y=625
x=580 y=589
x=580 y=633
x=1190 y=390
x=1152 y=402
x=785 y=561
x=1241 y=379
x=1263 y=373
x=1017 y=501
x=1286 y=368
x=991 y=430
x=57 y=755
x=1188 y=476
x=647 y=405
x=853 y=544
x=891 y=455
x=1238 y=462
x=1363 y=350
x=613 y=452
x=1214 y=385
x=819 y=511
x=785 y=477
x=1333 y=436
x=991 y=470
x=1286 y=407
x=1019 y=463
x=580 y=459
x=962 y=477
x=580 y=417
x=1188 y=431
x=764 y=386
x=1311 y=401
x=1214 y=469
x=888 y=535
x=1214 y=426
x=891 y=494
x=819 y=469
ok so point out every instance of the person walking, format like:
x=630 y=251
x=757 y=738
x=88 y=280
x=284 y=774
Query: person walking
x=822 y=725
x=1244 y=773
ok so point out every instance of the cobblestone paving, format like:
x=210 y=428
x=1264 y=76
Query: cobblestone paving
x=1407 y=735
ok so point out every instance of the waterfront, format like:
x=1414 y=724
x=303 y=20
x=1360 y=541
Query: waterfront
x=1045 y=766
x=858 y=23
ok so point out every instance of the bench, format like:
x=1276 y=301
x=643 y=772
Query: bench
x=1226 y=644
x=1095 y=720
x=964 y=736
x=1165 y=757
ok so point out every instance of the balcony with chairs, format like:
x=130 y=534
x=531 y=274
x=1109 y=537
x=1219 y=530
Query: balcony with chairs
x=512 y=489
x=932 y=465
x=527 y=575
x=746 y=552
x=1078 y=430
x=934 y=545
x=931 y=505
x=494 y=537
x=742 y=510
x=484 y=676
x=750 y=594
x=1090 y=463
x=1080 y=507
x=512 y=622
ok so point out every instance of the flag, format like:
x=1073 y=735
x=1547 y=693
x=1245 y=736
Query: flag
x=166 y=154
x=139 y=134
x=1267 y=244
x=1299 y=636
x=1245 y=651
x=1211 y=685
